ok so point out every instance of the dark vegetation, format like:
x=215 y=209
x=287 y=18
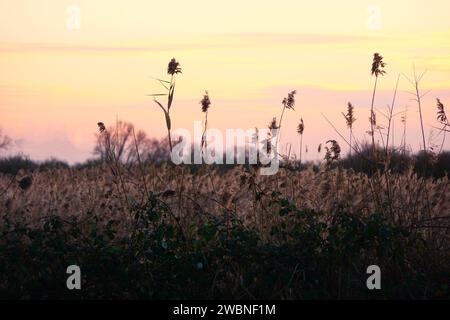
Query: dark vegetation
x=423 y=164
x=307 y=256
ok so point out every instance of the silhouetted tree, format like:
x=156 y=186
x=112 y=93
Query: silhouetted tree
x=124 y=142
x=5 y=141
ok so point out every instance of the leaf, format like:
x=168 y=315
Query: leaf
x=166 y=113
x=162 y=83
x=160 y=80
x=168 y=122
x=170 y=99
x=160 y=105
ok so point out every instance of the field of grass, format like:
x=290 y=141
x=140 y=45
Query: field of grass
x=195 y=232
x=139 y=226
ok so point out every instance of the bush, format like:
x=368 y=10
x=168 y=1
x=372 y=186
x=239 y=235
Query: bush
x=363 y=161
x=89 y=163
x=13 y=164
x=425 y=164
x=53 y=163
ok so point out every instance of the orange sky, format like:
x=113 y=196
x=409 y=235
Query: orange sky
x=56 y=83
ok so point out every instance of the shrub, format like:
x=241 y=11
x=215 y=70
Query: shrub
x=13 y=164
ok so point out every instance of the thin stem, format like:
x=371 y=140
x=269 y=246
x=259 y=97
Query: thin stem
x=350 y=142
x=170 y=140
x=206 y=127
x=168 y=112
x=420 y=113
x=391 y=110
x=279 y=131
x=281 y=117
x=301 y=147
x=372 y=132
x=204 y=132
x=404 y=138
x=337 y=131
x=443 y=141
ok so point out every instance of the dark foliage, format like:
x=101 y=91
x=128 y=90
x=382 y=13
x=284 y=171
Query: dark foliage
x=424 y=164
x=307 y=256
x=13 y=164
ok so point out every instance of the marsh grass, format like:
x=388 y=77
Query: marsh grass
x=159 y=231
x=300 y=130
x=173 y=69
x=206 y=103
x=377 y=70
x=255 y=237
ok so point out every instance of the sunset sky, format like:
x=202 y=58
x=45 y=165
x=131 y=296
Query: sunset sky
x=57 y=82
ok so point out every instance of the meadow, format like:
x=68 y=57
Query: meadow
x=142 y=228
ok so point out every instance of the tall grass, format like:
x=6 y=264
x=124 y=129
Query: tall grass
x=173 y=69
x=300 y=130
x=377 y=70
x=153 y=230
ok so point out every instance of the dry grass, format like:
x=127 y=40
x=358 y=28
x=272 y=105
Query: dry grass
x=92 y=191
x=280 y=233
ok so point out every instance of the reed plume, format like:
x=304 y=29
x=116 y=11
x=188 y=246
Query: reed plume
x=300 y=129
x=333 y=152
x=442 y=118
x=441 y=115
x=206 y=103
x=288 y=103
x=350 y=119
x=377 y=70
x=272 y=126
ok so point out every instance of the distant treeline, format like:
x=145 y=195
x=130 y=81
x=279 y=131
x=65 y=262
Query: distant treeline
x=424 y=164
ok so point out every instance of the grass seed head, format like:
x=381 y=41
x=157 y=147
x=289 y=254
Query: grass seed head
x=273 y=124
x=289 y=101
x=301 y=127
x=349 y=117
x=173 y=67
x=101 y=127
x=441 y=116
x=205 y=102
x=377 y=65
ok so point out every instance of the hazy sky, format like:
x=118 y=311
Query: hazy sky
x=58 y=81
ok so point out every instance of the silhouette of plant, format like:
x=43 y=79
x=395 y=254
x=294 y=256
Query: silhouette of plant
x=288 y=103
x=206 y=103
x=418 y=98
x=173 y=69
x=272 y=126
x=441 y=115
x=350 y=119
x=442 y=118
x=377 y=69
x=300 y=129
x=332 y=153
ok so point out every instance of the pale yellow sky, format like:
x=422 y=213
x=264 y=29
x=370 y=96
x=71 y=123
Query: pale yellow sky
x=56 y=83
